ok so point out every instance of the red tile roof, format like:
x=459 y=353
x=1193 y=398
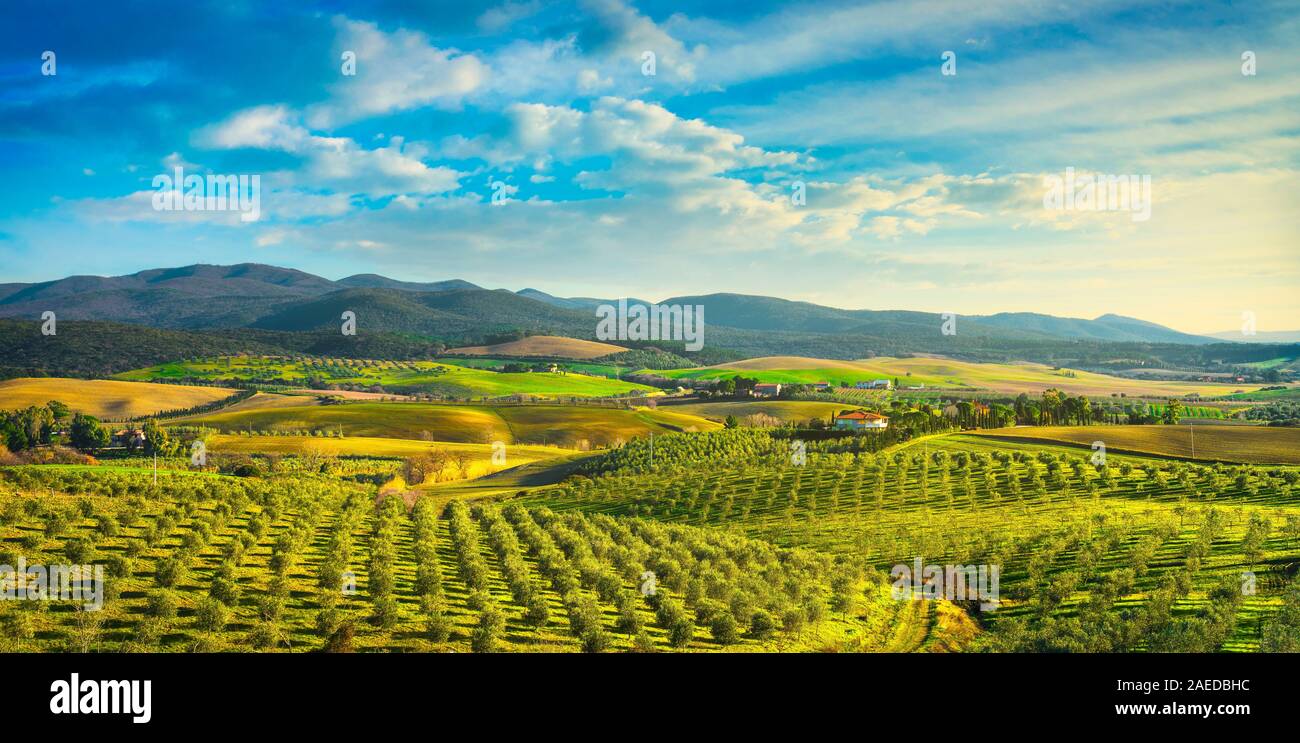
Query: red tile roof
x=861 y=415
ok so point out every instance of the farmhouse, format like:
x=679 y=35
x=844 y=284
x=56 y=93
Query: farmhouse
x=875 y=384
x=861 y=420
x=130 y=438
x=767 y=390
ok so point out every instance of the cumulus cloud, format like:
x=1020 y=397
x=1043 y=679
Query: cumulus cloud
x=621 y=33
x=335 y=162
x=395 y=72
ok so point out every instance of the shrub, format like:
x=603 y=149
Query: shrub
x=170 y=572
x=761 y=625
x=485 y=635
x=78 y=551
x=723 y=627
x=161 y=604
x=341 y=639
x=594 y=640
x=119 y=566
x=211 y=615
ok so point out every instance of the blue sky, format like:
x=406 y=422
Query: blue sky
x=923 y=190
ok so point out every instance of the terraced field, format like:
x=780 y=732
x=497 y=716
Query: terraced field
x=105 y=398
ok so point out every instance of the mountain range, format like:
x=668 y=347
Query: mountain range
x=254 y=297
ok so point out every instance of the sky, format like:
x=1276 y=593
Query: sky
x=870 y=155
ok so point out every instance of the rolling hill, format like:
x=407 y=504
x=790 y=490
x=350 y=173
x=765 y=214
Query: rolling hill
x=395 y=377
x=106 y=399
x=548 y=425
x=945 y=373
x=1247 y=444
x=543 y=345
x=1104 y=328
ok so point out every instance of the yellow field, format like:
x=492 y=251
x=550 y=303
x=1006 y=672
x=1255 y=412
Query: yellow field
x=480 y=463
x=544 y=345
x=1246 y=444
x=934 y=371
x=104 y=398
x=554 y=425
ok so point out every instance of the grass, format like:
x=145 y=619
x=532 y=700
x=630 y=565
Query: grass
x=1289 y=393
x=423 y=376
x=550 y=425
x=1247 y=444
x=115 y=400
x=1012 y=378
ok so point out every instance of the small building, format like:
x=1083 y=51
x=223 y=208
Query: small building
x=875 y=384
x=861 y=420
x=767 y=390
x=130 y=437
x=821 y=386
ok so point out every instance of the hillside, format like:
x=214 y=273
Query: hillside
x=398 y=377
x=1249 y=444
x=1011 y=378
x=549 y=425
x=543 y=345
x=106 y=399
x=393 y=315
x=1104 y=328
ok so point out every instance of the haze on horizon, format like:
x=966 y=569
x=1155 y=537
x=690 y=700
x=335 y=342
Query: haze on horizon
x=923 y=191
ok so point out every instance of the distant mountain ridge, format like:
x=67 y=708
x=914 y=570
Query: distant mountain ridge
x=1105 y=328
x=252 y=295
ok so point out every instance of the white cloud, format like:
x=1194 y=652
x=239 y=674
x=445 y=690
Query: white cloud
x=625 y=35
x=395 y=72
x=334 y=162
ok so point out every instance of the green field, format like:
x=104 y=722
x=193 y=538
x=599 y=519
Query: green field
x=551 y=425
x=427 y=377
x=1010 y=378
x=1287 y=394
